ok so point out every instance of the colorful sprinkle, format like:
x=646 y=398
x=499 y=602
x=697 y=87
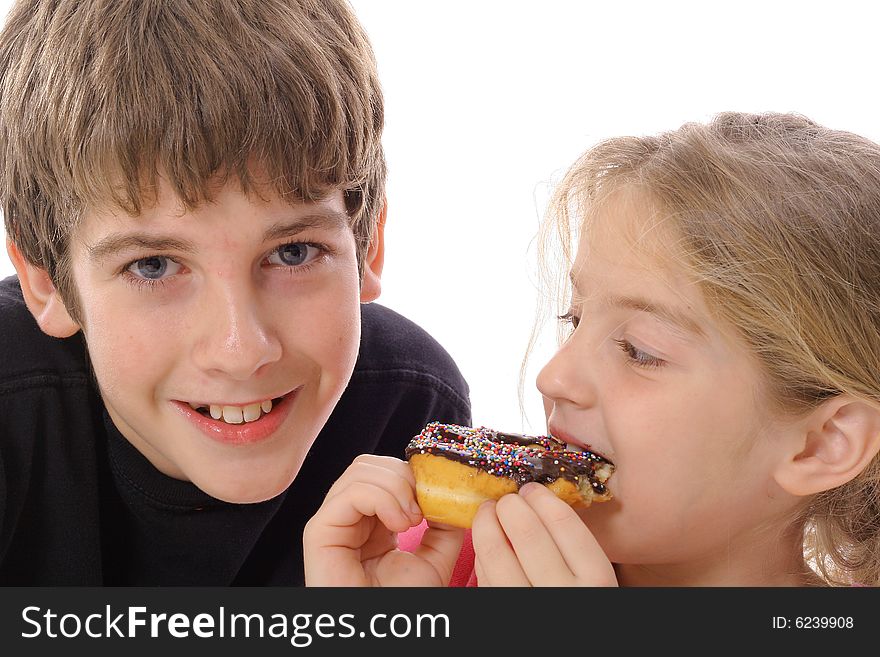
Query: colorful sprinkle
x=521 y=458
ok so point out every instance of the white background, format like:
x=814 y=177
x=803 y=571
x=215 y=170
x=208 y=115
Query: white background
x=489 y=100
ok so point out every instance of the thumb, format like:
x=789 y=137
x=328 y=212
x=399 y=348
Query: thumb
x=440 y=547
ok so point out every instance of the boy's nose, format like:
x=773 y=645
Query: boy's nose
x=236 y=336
x=567 y=377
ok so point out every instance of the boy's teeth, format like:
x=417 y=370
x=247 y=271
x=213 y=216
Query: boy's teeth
x=252 y=412
x=233 y=415
x=573 y=448
x=236 y=414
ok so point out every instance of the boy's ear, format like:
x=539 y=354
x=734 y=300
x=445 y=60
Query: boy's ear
x=41 y=297
x=836 y=442
x=374 y=261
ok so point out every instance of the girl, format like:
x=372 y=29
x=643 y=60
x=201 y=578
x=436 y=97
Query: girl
x=723 y=352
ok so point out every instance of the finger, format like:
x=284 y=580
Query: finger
x=375 y=469
x=581 y=553
x=535 y=549
x=338 y=521
x=361 y=519
x=440 y=547
x=340 y=563
x=395 y=465
x=387 y=473
x=496 y=562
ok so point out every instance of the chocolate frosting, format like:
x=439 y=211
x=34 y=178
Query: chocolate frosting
x=542 y=459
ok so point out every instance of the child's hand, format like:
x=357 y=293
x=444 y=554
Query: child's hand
x=352 y=539
x=536 y=539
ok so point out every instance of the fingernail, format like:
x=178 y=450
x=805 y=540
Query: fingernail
x=415 y=509
x=529 y=488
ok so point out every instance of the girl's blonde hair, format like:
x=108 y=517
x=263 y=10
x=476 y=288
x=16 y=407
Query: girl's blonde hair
x=779 y=221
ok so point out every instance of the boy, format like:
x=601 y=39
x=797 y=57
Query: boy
x=194 y=202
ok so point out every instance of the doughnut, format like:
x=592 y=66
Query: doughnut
x=458 y=468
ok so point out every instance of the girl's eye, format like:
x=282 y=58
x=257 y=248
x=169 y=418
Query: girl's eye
x=570 y=318
x=294 y=254
x=638 y=357
x=153 y=268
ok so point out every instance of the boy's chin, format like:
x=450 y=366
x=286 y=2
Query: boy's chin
x=251 y=490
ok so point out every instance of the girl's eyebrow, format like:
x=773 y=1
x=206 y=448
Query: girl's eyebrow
x=123 y=242
x=673 y=316
x=676 y=318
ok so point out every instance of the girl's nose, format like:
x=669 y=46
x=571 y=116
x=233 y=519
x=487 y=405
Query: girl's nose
x=568 y=376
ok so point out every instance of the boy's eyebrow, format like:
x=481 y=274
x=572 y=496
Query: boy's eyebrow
x=121 y=242
x=669 y=315
x=328 y=219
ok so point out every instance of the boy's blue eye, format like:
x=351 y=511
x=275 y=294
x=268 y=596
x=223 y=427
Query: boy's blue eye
x=293 y=254
x=153 y=267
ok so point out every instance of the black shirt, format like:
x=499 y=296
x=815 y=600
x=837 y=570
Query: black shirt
x=79 y=505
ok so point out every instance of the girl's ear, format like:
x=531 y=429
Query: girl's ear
x=834 y=444
x=41 y=297
x=375 y=259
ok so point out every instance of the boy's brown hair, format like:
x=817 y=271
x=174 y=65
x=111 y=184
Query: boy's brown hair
x=98 y=99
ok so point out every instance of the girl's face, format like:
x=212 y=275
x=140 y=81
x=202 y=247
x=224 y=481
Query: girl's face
x=649 y=379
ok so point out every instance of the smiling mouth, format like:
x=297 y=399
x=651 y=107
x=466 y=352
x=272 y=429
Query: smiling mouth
x=237 y=414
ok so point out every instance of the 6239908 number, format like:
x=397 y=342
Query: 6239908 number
x=823 y=622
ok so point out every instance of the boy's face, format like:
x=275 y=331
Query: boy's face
x=239 y=307
x=652 y=381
